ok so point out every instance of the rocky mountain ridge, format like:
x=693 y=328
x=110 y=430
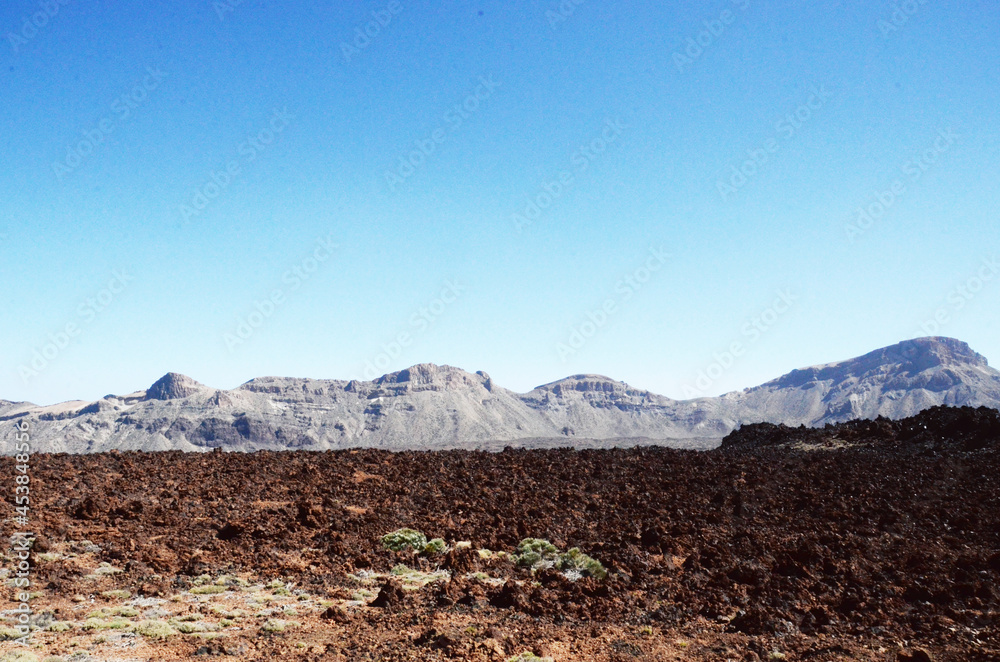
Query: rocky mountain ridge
x=428 y=406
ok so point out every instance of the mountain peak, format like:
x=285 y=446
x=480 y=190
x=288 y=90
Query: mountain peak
x=427 y=374
x=939 y=350
x=171 y=386
x=908 y=357
x=429 y=405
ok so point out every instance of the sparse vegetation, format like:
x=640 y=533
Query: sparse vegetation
x=402 y=539
x=105 y=568
x=19 y=656
x=535 y=552
x=529 y=657
x=229 y=580
x=188 y=627
x=538 y=553
x=208 y=589
x=417 y=578
x=574 y=559
x=435 y=546
x=277 y=625
x=106 y=612
x=153 y=629
x=8 y=633
x=104 y=624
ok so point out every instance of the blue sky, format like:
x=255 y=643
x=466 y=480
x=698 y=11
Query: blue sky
x=237 y=189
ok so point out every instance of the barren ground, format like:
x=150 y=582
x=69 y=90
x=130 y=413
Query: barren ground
x=821 y=546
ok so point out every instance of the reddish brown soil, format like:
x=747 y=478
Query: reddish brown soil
x=853 y=545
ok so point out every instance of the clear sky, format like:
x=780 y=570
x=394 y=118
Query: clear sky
x=242 y=188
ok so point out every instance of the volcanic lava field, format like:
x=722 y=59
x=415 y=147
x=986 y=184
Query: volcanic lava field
x=873 y=540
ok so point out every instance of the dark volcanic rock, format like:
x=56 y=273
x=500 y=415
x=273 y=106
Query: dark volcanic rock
x=940 y=429
x=889 y=535
x=390 y=596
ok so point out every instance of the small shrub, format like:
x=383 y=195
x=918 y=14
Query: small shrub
x=229 y=580
x=187 y=627
x=19 y=656
x=208 y=589
x=275 y=625
x=105 y=612
x=403 y=539
x=7 y=633
x=574 y=559
x=188 y=618
x=60 y=626
x=101 y=624
x=105 y=568
x=117 y=595
x=154 y=630
x=529 y=657
x=533 y=552
x=225 y=612
x=435 y=546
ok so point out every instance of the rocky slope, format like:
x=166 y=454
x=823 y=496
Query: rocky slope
x=429 y=406
x=759 y=550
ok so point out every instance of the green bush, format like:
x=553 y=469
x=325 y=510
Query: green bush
x=536 y=552
x=436 y=546
x=574 y=559
x=531 y=552
x=155 y=629
x=402 y=539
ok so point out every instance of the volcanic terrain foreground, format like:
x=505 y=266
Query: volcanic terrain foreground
x=842 y=543
x=438 y=407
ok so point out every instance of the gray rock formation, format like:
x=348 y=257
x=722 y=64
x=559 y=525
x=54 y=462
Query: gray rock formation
x=430 y=406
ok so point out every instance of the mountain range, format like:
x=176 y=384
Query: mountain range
x=429 y=406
